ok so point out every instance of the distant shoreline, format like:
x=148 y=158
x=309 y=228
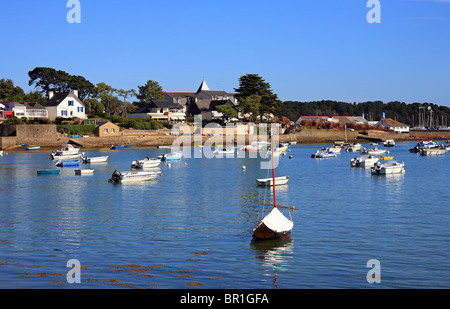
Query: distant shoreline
x=303 y=137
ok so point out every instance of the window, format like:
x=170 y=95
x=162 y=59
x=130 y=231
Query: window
x=105 y=130
x=113 y=131
x=70 y=103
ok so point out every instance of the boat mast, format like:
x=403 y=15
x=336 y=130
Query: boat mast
x=273 y=174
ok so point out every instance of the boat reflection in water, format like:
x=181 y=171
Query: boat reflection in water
x=272 y=253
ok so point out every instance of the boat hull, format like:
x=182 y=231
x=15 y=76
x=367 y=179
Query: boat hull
x=84 y=171
x=262 y=232
x=388 y=169
x=48 y=171
x=269 y=181
x=95 y=159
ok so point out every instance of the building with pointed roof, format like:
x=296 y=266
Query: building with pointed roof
x=393 y=125
x=65 y=104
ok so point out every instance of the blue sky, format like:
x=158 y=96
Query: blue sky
x=306 y=49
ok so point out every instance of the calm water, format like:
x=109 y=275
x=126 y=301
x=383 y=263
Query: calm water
x=190 y=228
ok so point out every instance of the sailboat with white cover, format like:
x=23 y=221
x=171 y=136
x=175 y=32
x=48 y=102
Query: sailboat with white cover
x=274 y=225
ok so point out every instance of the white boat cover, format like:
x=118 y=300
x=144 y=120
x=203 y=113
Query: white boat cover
x=277 y=222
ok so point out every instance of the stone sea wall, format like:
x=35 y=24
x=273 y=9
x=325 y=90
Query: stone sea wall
x=46 y=136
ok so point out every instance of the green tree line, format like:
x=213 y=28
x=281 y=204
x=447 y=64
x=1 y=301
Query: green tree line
x=372 y=110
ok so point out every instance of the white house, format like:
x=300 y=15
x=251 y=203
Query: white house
x=393 y=125
x=65 y=104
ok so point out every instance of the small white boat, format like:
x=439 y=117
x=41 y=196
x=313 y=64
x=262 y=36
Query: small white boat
x=84 y=171
x=354 y=147
x=282 y=180
x=335 y=149
x=100 y=159
x=224 y=151
x=33 y=147
x=66 y=150
x=171 y=156
x=364 y=161
x=121 y=177
x=374 y=151
x=388 y=168
x=282 y=147
x=147 y=162
x=66 y=157
x=323 y=154
x=1 y=153
x=439 y=151
x=275 y=153
x=389 y=143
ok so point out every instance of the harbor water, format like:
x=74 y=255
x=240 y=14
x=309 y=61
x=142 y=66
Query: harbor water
x=190 y=228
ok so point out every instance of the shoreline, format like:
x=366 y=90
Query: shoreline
x=155 y=140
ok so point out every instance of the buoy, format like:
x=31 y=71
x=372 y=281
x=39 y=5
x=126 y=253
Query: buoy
x=169 y=165
x=290 y=157
x=243 y=167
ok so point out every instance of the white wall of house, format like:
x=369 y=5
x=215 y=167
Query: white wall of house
x=70 y=107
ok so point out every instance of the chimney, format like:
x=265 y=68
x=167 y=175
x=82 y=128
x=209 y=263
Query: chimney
x=75 y=92
x=50 y=94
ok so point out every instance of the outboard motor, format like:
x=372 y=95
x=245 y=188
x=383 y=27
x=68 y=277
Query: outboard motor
x=115 y=177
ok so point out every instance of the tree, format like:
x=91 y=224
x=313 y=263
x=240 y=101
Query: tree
x=149 y=92
x=85 y=88
x=47 y=79
x=253 y=84
x=103 y=89
x=250 y=105
x=112 y=104
x=227 y=110
x=35 y=96
x=94 y=106
x=9 y=92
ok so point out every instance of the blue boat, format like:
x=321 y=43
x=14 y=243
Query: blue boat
x=68 y=163
x=117 y=147
x=48 y=171
x=171 y=156
x=128 y=146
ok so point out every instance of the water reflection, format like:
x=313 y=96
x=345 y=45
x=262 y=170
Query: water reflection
x=273 y=254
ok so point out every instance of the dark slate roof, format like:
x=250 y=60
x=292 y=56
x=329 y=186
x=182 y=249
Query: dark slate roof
x=34 y=105
x=58 y=97
x=157 y=104
x=180 y=94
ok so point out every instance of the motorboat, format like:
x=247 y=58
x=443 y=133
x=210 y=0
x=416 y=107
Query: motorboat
x=374 y=151
x=438 y=151
x=33 y=147
x=224 y=151
x=282 y=147
x=364 y=161
x=281 y=180
x=355 y=147
x=147 y=162
x=171 y=156
x=389 y=143
x=100 y=159
x=133 y=176
x=84 y=171
x=335 y=149
x=67 y=151
x=67 y=163
x=388 y=168
x=323 y=154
